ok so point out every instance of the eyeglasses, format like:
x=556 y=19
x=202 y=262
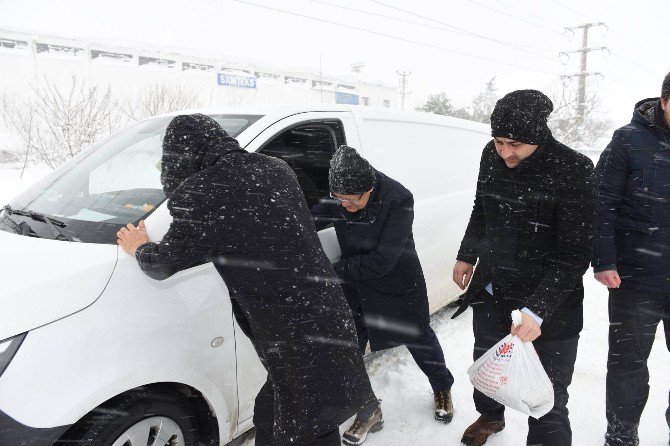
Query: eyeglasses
x=347 y=202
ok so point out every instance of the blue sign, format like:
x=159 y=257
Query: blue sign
x=346 y=98
x=232 y=80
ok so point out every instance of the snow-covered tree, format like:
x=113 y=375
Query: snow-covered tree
x=441 y=104
x=480 y=110
x=484 y=102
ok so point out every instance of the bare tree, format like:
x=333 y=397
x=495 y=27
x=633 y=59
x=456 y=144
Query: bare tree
x=159 y=99
x=20 y=120
x=53 y=124
x=565 y=123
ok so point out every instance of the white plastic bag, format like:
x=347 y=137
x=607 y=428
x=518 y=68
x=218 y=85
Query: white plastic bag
x=511 y=373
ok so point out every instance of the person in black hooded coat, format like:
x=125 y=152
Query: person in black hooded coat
x=246 y=213
x=632 y=257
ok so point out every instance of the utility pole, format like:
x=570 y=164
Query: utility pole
x=583 y=73
x=403 y=87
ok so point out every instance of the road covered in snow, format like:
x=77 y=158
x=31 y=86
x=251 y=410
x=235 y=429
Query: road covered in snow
x=407 y=398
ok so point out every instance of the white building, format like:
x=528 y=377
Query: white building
x=27 y=59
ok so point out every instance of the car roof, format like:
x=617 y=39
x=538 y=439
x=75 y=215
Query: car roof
x=275 y=112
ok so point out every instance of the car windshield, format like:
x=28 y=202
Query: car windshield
x=116 y=182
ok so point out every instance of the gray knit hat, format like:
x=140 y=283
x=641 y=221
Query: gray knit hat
x=665 y=88
x=350 y=174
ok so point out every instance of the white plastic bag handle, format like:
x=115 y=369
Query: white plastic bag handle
x=517 y=319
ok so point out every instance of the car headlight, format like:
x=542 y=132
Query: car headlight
x=8 y=349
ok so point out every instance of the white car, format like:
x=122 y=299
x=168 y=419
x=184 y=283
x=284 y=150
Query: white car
x=92 y=348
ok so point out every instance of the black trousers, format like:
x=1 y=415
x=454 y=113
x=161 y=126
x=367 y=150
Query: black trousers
x=264 y=416
x=265 y=400
x=426 y=351
x=634 y=318
x=558 y=359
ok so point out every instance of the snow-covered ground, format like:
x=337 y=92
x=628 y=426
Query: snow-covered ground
x=406 y=394
x=407 y=398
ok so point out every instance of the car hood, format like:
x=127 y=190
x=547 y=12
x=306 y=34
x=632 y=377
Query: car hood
x=43 y=280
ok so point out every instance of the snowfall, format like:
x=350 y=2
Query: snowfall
x=406 y=395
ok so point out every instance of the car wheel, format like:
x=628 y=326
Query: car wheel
x=139 y=418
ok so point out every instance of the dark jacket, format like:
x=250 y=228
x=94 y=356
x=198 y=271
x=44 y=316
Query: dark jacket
x=532 y=229
x=379 y=263
x=633 y=220
x=246 y=213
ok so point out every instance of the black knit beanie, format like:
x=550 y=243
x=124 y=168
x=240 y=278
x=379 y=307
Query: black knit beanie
x=665 y=89
x=522 y=116
x=350 y=174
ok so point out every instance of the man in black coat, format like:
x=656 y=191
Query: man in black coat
x=632 y=257
x=531 y=229
x=246 y=213
x=383 y=280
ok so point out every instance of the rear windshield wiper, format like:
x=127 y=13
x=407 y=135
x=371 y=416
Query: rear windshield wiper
x=52 y=223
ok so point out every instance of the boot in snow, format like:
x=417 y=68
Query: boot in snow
x=444 y=407
x=480 y=431
x=359 y=431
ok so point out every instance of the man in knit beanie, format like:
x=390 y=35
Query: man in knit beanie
x=382 y=276
x=632 y=257
x=530 y=234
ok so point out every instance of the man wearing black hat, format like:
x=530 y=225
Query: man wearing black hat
x=632 y=257
x=531 y=230
x=382 y=275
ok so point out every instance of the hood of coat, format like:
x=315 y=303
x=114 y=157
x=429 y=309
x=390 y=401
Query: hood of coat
x=648 y=112
x=192 y=143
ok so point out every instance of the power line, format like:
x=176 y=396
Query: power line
x=572 y=9
x=530 y=14
x=377 y=33
x=638 y=66
x=430 y=19
x=622 y=82
x=615 y=79
x=632 y=43
x=515 y=17
x=445 y=27
x=626 y=39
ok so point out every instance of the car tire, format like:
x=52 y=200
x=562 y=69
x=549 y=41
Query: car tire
x=138 y=418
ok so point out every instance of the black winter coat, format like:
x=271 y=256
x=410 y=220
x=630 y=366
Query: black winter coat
x=246 y=213
x=532 y=229
x=379 y=264
x=633 y=224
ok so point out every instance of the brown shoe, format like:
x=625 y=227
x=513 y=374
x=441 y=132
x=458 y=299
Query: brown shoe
x=480 y=431
x=444 y=406
x=358 y=432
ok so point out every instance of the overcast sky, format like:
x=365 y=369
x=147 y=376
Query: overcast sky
x=451 y=46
